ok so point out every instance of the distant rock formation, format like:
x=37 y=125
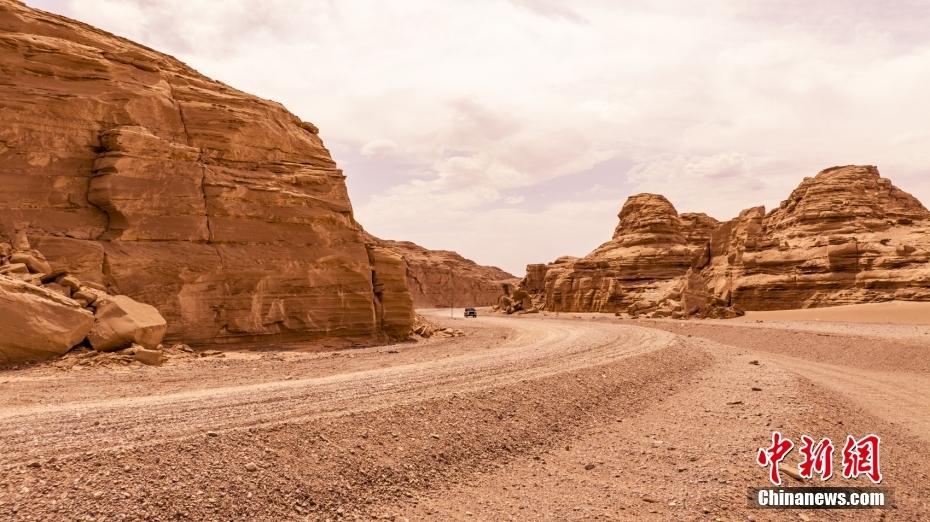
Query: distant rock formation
x=136 y=173
x=845 y=236
x=438 y=278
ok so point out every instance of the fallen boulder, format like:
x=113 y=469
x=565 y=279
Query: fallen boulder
x=121 y=321
x=33 y=261
x=37 y=323
x=15 y=268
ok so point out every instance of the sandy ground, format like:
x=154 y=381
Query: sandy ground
x=536 y=417
x=895 y=312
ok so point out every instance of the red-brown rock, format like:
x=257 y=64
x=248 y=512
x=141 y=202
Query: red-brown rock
x=38 y=323
x=845 y=236
x=438 y=278
x=652 y=248
x=223 y=210
x=120 y=321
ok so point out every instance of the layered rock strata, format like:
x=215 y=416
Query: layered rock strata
x=438 y=278
x=844 y=236
x=221 y=209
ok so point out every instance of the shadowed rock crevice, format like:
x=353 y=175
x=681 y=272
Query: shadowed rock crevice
x=201 y=160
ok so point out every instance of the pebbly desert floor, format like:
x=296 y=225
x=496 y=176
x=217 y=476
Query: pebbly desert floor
x=536 y=417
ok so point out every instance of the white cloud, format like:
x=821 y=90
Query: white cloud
x=378 y=147
x=442 y=112
x=688 y=180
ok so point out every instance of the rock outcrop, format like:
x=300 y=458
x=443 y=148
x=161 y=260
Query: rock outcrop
x=223 y=210
x=637 y=271
x=845 y=236
x=393 y=304
x=437 y=278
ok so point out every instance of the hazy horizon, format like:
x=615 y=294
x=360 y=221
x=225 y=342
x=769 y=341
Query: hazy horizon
x=511 y=131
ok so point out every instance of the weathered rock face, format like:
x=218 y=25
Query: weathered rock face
x=845 y=236
x=393 y=304
x=437 y=278
x=221 y=209
x=652 y=248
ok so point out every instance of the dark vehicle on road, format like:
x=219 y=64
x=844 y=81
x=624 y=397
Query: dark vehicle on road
x=471 y=312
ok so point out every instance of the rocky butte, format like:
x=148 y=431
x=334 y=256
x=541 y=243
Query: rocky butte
x=139 y=177
x=845 y=236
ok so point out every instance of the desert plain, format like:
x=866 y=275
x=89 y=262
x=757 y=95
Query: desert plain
x=544 y=416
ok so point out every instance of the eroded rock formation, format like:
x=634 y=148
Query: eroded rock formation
x=437 y=278
x=223 y=210
x=644 y=264
x=845 y=236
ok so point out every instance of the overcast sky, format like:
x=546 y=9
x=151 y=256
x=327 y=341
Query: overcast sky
x=513 y=130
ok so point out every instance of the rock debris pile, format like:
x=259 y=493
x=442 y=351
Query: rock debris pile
x=46 y=312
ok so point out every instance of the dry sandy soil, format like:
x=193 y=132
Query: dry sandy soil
x=536 y=417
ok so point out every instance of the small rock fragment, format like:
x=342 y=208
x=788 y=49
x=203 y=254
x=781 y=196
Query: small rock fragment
x=35 y=264
x=147 y=356
x=791 y=472
x=70 y=281
x=15 y=268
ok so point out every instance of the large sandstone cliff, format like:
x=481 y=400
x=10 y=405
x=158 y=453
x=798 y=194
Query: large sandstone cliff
x=845 y=236
x=437 y=278
x=224 y=210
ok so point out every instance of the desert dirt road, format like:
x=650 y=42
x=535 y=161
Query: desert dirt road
x=523 y=418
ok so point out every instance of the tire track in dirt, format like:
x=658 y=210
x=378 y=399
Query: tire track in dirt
x=885 y=377
x=344 y=444
x=900 y=398
x=536 y=349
